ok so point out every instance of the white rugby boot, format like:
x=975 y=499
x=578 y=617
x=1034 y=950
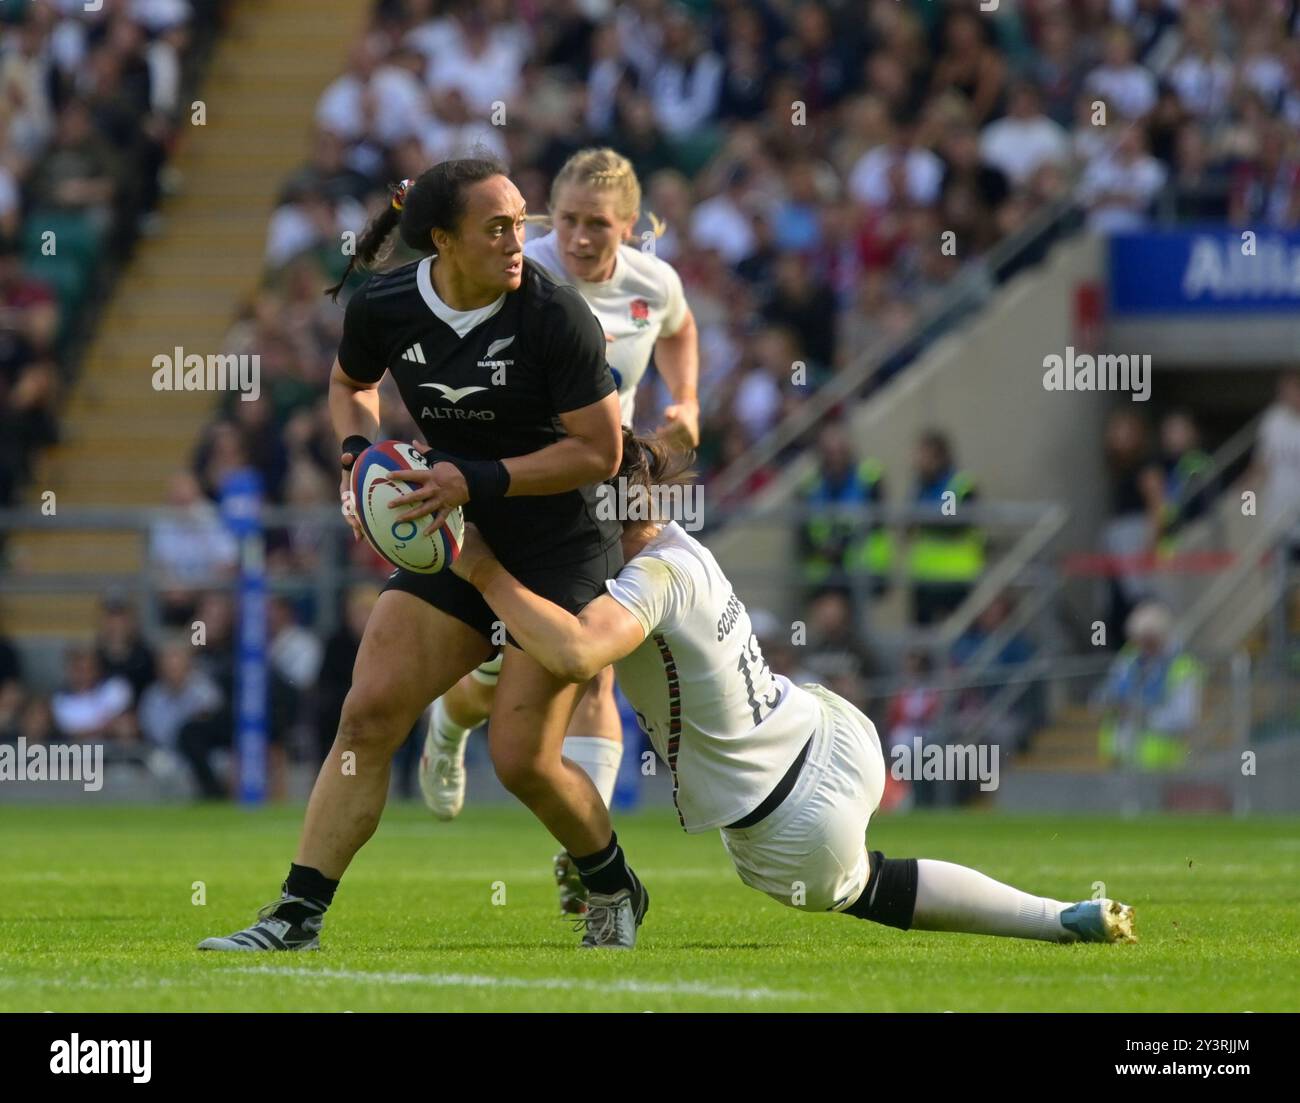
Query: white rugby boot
x=442 y=775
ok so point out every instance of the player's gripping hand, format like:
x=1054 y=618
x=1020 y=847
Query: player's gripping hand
x=441 y=489
x=348 y=500
x=681 y=426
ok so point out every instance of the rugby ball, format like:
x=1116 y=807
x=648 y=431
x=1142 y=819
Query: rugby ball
x=402 y=543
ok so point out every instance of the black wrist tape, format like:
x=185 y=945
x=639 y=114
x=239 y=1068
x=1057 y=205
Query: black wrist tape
x=356 y=445
x=484 y=478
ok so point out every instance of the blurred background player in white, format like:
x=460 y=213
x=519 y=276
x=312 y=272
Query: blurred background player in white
x=790 y=774
x=638 y=300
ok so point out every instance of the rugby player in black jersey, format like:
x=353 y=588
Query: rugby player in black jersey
x=504 y=371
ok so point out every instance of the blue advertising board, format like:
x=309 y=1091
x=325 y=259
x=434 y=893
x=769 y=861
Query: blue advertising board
x=1205 y=270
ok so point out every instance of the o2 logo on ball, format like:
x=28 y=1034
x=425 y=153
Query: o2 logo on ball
x=376 y=482
x=401 y=539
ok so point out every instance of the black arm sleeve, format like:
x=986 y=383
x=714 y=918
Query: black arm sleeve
x=574 y=342
x=360 y=354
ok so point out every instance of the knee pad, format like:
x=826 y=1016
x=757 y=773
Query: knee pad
x=890 y=895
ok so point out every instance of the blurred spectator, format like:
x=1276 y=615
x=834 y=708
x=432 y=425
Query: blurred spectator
x=1187 y=489
x=327 y=173
x=1056 y=69
x=1024 y=138
x=192 y=547
x=971 y=64
x=121 y=650
x=835 y=546
x=766 y=392
x=974 y=187
x=92 y=706
x=36 y=721
x=1119 y=187
x=1197 y=187
x=216 y=658
x=478 y=62
x=802 y=303
x=183 y=713
x=836 y=655
x=1200 y=73
x=1266 y=187
x=1136 y=497
x=912 y=715
x=723 y=223
x=12 y=696
x=293 y=650
x=1275 y=467
x=944 y=559
x=29 y=314
x=1119 y=80
x=1151 y=699
x=28 y=412
x=899 y=171
x=687 y=82
x=1013 y=728
x=80 y=174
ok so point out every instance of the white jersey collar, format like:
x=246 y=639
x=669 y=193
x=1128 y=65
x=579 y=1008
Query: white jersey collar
x=462 y=321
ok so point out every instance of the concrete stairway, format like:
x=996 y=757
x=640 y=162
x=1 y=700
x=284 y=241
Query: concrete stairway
x=121 y=438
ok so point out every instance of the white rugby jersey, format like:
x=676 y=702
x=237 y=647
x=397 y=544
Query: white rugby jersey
x=641 y=302
x=726 y=725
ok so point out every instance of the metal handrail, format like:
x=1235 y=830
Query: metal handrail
x=1217 y=593
x=970 y=286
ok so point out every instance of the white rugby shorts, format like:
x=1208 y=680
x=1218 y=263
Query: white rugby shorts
x=811 y=852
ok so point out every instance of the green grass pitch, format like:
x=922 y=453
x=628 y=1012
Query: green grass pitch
x=97 y=913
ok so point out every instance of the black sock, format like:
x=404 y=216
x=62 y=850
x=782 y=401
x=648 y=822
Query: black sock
x=316 y=890
x=606 y=871
x=890 y=895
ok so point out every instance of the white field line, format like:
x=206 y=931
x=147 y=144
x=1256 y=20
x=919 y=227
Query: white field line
x=477 y=980
x=429 y=980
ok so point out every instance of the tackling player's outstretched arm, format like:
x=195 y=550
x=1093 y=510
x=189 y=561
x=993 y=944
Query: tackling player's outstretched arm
x=572 y=648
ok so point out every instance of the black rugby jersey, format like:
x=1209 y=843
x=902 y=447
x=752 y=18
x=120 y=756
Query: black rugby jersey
x=491 y=391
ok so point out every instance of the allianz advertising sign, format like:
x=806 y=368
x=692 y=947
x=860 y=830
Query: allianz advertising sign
x=1218 y=270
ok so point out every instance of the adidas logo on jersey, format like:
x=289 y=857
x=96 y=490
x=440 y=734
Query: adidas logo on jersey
x=415 y=354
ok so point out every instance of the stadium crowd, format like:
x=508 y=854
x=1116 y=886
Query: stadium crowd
x=807 y=159
x=89 y=103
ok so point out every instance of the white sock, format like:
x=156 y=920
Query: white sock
x=445 y=730
x=599 y=757
x=955 y=898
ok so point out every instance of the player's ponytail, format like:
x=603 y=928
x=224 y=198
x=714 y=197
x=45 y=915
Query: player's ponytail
x=435 y=200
